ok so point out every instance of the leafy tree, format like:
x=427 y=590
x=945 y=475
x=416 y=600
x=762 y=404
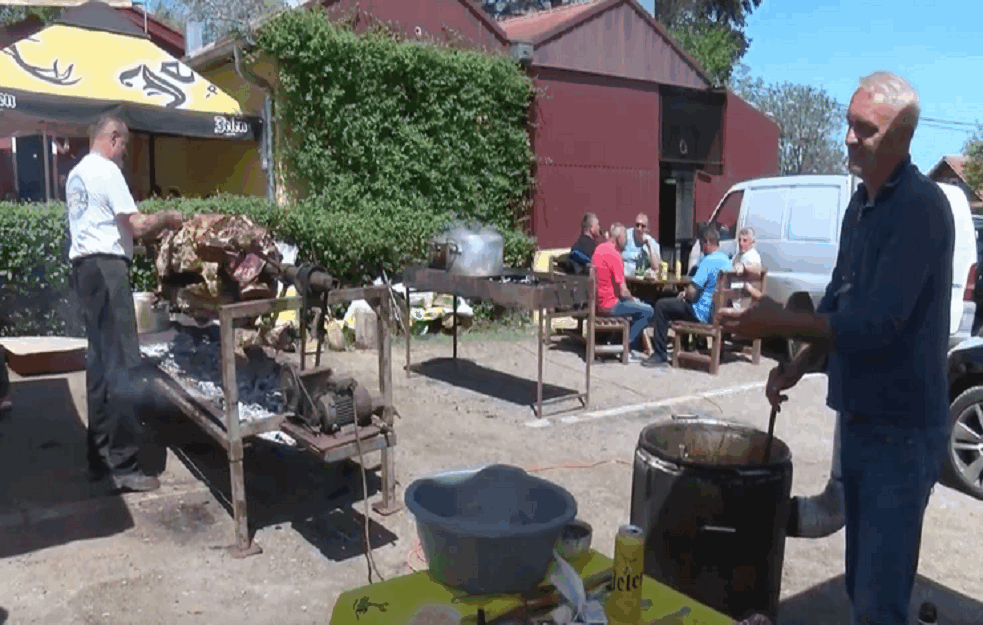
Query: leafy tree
x=218 y=17
x=171 y=11
x=716 y=47
x=974 y=166
x=501 y=9
x=811 y=121
x=11 y=14
x=711 y=31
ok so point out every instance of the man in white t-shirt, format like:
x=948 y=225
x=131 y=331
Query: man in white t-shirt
x=641 y=249
x=747 y=259
x=103 y=222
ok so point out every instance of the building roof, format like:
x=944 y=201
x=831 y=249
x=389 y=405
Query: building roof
x=540 y=27
x=957 y=163
x=161 y=32
x=531 y=26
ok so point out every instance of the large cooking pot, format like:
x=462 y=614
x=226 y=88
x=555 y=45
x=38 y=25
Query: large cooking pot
x=468 y=250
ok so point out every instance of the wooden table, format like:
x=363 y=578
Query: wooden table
x=396 y=601
x=654 y=290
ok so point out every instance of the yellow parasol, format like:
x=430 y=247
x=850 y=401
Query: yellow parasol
x=92 y=61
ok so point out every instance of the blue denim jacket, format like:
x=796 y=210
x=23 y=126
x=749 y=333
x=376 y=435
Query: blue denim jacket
x=889 y=304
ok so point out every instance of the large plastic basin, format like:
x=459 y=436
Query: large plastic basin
x=491 y=531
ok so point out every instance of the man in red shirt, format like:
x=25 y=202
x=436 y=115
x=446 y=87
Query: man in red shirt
x=613 y=297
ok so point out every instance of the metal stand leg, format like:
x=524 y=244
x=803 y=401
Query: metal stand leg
x=389 y=503
x=591 y=318
x=409 y=331
x=243 y=546
x=455 y=329
x=539 y=384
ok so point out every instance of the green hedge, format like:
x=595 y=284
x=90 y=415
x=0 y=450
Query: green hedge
x=34 y=271
x=389 y=140
x=34 y=289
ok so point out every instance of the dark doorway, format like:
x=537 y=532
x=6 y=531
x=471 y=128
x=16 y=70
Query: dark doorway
x=30 y=163
x=667 y=217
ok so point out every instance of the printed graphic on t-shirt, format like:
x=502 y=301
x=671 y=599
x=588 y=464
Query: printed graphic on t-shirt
x=77 y=197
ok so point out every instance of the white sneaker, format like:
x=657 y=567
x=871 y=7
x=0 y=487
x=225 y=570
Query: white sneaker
x=636 y=357
x=820 y=515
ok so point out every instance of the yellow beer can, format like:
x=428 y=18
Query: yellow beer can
x=624 y=606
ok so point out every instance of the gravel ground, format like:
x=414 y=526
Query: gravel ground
x=74 y=553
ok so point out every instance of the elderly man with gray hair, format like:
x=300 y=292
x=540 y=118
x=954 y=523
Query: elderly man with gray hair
x=884 y=323
x=747 y=258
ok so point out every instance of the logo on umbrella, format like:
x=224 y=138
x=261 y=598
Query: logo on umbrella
x=230 y=126
x=160 y=83
x=49 y=75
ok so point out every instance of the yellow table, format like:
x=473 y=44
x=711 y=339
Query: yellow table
x=396 y=601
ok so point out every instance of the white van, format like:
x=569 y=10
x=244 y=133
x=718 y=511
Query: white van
x=797 y=220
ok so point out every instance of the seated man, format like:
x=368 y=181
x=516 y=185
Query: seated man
x=747 y=261
x=747 y=258
x=641 y=251
x=613 y=297
x=693 y=304
x=583 y=249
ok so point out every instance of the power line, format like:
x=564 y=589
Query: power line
x=934 y=122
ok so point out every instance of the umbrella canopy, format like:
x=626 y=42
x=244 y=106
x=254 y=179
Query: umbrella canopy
x=92 y=61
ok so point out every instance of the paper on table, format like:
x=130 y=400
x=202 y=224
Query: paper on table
x=569 y=584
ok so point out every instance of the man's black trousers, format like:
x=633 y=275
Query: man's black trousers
x=669 y=309
x=114 y=382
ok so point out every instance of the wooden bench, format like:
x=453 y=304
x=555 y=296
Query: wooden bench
x=724 y=295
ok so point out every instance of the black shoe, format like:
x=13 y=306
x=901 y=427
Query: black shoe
x=97 y=471
x=655 y=362
x=135 y=483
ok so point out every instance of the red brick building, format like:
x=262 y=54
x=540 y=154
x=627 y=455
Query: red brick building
x=627 y=122
x=951 y=169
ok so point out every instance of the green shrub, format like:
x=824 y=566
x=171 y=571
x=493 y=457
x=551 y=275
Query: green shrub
x=391 y=139
x=34 y=271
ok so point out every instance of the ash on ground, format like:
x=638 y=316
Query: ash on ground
x=194 y=359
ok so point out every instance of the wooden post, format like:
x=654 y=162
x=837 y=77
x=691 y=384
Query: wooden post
x=389 y=503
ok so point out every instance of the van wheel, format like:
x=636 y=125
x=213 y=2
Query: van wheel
x=964 y=460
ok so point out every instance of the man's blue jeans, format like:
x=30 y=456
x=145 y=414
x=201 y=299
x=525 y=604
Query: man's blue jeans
x=641 y=315
x=888 y=474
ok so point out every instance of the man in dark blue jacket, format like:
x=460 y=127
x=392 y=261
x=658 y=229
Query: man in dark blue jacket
x=884 y=322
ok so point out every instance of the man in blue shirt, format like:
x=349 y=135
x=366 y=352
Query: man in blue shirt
x=884 y=322
x=693 y=304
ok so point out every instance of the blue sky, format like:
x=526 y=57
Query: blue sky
x=935 y=44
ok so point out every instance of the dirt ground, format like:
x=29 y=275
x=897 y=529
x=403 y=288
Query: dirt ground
x=74 y=553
